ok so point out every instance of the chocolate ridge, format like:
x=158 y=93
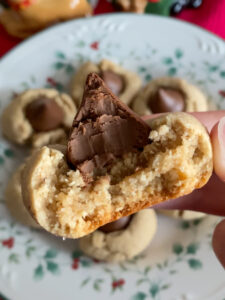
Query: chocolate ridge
x=104 y=128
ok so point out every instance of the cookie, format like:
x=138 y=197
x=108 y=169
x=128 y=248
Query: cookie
x=168 y=94
x=122 y=244
x=125 y=84
x=14 y=200
x=38 y=117
x=23 y=18
x=98 y=185
x=182 y=214
x=137 y=6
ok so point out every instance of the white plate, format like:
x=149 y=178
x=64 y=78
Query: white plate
x=179 y=264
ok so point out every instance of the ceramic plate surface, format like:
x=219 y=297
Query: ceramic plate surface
x=179 y=264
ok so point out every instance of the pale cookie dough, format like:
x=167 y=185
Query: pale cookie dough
x=132 y=81
x=177 y=161
x=123 y=244
x=194 y=98
x=14 y=200
x=182 y=214
x=17 y=128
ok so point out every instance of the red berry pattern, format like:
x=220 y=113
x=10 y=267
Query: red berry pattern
x=118 y=283
x=222 y=93
x=75 y=264
x=51 y=81
x=94 y=45
x=9 y=243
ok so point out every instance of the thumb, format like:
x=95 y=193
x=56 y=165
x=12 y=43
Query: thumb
x=218 y=242
x=218 y=144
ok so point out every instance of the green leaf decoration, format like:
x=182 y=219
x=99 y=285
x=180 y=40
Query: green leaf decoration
x=178 y=53
x=173 y=272
x=80 y=44
x=52 y=267
x=197 y=222
x=85 y=263
x=3 y=297
x=77 y=254
x=213 y=68
x=147 y=269
x=167 y=60
x=177 y=249
x=222 y=74
x=39 y=272
x=69 y=69
x=172 y=71
x=85 y=281
x=60 y=54
x=194 y=264
x=154 y=290
x=59 y=65
x=142 y=69
x=97 y=284
x=13 y=258
x=142 y=280
x=159 y=266
x=29 y=251
x=9 y=153
x=59 y=87
x=148 y=77
x=51 y=253
x=185 y=225
x=1 y=160
x=165 y=286
x=139 y=296
x=192 y=248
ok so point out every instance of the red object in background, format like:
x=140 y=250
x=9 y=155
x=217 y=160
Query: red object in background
x=210 y=15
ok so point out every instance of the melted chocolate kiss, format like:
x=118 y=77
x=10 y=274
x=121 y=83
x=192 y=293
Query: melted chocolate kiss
x=167 y=100
x=103 y=129
x=113 y=81
x=44 y=114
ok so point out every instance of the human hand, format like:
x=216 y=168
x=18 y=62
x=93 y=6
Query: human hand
x=211 y=198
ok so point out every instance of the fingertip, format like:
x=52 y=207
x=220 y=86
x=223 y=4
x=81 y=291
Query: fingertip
x=218 y=242
x=218 y=144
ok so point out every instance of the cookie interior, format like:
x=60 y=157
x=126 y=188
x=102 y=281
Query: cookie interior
x=178 y=160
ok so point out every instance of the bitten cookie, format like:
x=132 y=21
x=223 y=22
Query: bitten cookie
x=123 y=83
x=38 y=117
x=114 y=165
x=122 y=244
x=182 y=214
x=14 y=200
x=168 y=94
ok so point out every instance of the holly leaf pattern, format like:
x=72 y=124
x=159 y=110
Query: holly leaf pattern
x=39 y=272
x=139 y=296
x=52 y=267
x=192 y=248
x=194 y=264
x=51 y=253
x=177 y=249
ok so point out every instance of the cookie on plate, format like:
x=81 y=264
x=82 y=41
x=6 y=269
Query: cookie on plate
x=168 y=94
x=120 y=241
x=115 y=164
x=14 y=200
x=38 y=117
x=123 y=83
